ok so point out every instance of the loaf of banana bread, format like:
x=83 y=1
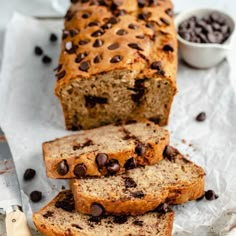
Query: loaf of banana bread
x=118 y=61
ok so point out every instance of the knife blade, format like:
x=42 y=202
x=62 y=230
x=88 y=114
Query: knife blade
x=10 y=198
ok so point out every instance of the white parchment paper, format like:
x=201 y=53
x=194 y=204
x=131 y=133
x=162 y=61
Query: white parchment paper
x=30 y=114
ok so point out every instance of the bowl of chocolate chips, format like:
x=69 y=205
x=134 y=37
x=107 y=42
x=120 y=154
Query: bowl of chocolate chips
x=205 y=36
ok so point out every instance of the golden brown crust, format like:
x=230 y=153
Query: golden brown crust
x=153 y=154
x=173 y=194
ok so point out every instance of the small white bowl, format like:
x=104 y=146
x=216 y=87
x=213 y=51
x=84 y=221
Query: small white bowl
x=206 y=55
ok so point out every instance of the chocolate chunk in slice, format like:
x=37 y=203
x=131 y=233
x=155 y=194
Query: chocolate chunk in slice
x=46 y=59
x=101 y=160
x=130 y=164
x=38 y=51
x=80 y=170
x=138 y=222
x=113 y=166
x=210 y=195
x=92 y=101
x=36 y=196
x=120 y=219
x=53 y=37
x=29 y=174
x=62 y=168
x=163 y=208
x=116 y=59
x=201 y=116
x=130 y=183
x=140 y=149
x=138 y=194
x=97 y=209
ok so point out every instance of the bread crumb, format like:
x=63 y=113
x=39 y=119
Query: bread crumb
x=184 y=141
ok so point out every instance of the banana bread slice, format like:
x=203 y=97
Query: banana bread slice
x=118 y=61
x=107 y=150
x=173 y=180
x=58 y=218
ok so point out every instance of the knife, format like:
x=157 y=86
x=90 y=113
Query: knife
x=10 y=199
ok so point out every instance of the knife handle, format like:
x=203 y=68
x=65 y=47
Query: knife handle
x=16 y=224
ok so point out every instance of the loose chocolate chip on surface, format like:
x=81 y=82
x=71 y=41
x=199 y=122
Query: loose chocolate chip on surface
x=120 y=219
x=165 y=21
x=96 y=209
x=101 y=160
x=140 y=149
x=130 y=183
x=201 y=117
x=97 y=33
x=62 y=168
x=84 y=66
x=116 y=59
x=170 y=152
x=169 y=12
x=61 y=74
x=138 y=194
x=130 y=164
x=163 y=208
x=121 y=32
x=38 y=51
x=135 y=46
x=29 y=174
x=80 y=57
x=97 y=59
x=113 y=46
x=113 y=166
x=168 y=48
x=53 y=37
x=138 y=222
x=36 y=196
x=210 y=195
x=46 y=59
x=97 y=43
x=80 y=170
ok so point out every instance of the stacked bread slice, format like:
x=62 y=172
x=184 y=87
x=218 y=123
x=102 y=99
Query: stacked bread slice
x=121 y=179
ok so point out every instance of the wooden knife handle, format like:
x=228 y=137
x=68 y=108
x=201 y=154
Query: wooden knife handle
x=16 y=224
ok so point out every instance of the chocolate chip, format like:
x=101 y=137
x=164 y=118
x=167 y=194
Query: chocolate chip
x=80 y=57
x=135 y=46
x=138 y=194
x=86 y=15
x=53 y=37
x=83 y=42
x=113 y=20
x=150 y=25
x=76 y=226
x=163 y=208
x=58 y=68
x=141 y=3
x=92 y=101
x=113 y=166
x=67 y=203
x=97 y=209
x=121 y=32
x=106 y=26
x=74 y=1
x=140 y=149
x=132 y=26
x=80 y=170
x=169 y=12
x=113 y=46
x=97 y=59
x=140 y=36
x=144 y=15
x=165 y=21
x=116 y=59
x=101 y=160
x=95 y=219
x=97 y=43
x=155 y=120
x=210 y=195
x=36 y=196
x=62 y=168
x=87 y=143
x=65 y=34
x=97 y=33
x=215 y=37
x=38 y=51
x=156 y=65
x=70 y=47
x=69 y=15
x=120 y=219
x=84 y=66
x=48 y=214
x=29 y=174
x=93 y=23
x=138 y=222
x=200 y=198
x=168 y=48
x=114 y=5
x=120 y=12
x=102 y=2
x=46 y=59
x=170 y=152
x=130 y=183
x=61 y=74
x=130 y=164
x=201 y=117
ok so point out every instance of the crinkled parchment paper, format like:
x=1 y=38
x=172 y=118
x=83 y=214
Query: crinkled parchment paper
x=30 y=114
